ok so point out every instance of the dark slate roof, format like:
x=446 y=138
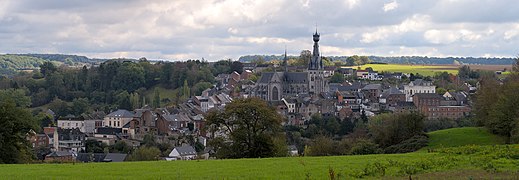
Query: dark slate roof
x=186 y=150
x=127 y=125
x=89 y=157
x=265 y=77
x=372 y=86
x=114 y=157
x=59 y=154
x=108 y=130
x=390 y=91
x=296 y=77
x=420 y=82
x=121 y=113
x=349 y=87
x=428 y=95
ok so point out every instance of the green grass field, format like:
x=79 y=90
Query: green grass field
x=462 y=136
x=481 y=162
x=427 y=70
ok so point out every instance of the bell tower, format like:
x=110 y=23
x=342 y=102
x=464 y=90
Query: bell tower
x=316 y=81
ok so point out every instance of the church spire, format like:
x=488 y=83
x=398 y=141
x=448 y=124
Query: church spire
x=285 y=60
x=315 y=62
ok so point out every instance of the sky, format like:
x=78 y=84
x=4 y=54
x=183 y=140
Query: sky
x=222 y=29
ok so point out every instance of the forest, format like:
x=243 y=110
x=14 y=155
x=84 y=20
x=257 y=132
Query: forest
x=113 y=84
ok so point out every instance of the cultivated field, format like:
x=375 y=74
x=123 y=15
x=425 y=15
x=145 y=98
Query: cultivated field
x=429 y=70
x=464 y=162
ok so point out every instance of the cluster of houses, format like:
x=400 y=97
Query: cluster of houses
x=67 y=138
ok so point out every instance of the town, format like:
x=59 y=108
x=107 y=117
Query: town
x=298 y=94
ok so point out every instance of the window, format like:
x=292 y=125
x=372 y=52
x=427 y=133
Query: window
x=109 y=123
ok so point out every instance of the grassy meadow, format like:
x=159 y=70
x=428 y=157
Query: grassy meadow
x=465 y=162
x=462 y=136
x=426 y=70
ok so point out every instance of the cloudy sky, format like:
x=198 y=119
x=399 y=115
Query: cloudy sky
x=218 y=29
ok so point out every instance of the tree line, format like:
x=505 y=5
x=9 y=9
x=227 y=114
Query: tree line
x=115 y=84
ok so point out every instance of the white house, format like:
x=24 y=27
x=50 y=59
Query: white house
x=117 y=119
x=418 y=86
x=182 y=153
x=72 y=124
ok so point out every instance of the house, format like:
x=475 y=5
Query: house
x=59 y=156
x=38 y=140
x=369 y=75
x=107 y=135
x=72 y=123
x=70 y=140
x=329 y=71
x=183 y=153
x=391 y=97
x=292 y=150
x=117 y=119
x=372 y=92
x=432 y=105
x=418 y=86
x=346 y=71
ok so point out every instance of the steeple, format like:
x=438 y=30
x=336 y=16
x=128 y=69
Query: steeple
x=315 y=62
x=285 y=60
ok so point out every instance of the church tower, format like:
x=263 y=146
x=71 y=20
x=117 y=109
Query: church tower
x=316 y=81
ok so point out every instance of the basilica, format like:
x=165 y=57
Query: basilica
x=273 y=86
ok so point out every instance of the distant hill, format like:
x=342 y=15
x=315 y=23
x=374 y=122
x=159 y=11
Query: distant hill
x=12 y=63
x=404 y=59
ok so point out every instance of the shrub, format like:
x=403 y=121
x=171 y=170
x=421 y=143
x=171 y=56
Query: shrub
x=410 y=145
x=365 y=147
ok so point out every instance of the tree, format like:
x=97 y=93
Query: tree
x=237 y=66
x=94 y=146
x=250 y=124
x=121 y=147
x=123 y=100
x=185 y=90
x=156 y=98
x=304 y=58
x=15 y=123
x=79 y=106
x=17 y=95
x=47 y=68
x=391 y=129
x=337 y=78
x=145 y=153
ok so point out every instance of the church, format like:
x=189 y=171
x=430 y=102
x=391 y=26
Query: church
x=273 y=86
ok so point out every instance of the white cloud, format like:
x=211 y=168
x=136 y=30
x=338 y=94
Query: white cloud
x=390 y=6
x=415 y=23
x=351 y=3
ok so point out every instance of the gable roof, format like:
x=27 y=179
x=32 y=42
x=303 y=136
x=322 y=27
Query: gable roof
x=121 y=113
x=372 y=86
x=185 y=150
x=420 y=82
x=296 y=77
x=265 y=77
x=390 y=91
x=59 y=154
x=115 y=157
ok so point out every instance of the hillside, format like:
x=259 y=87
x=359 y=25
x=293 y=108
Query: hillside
x=12 y=63
x=462 y=136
